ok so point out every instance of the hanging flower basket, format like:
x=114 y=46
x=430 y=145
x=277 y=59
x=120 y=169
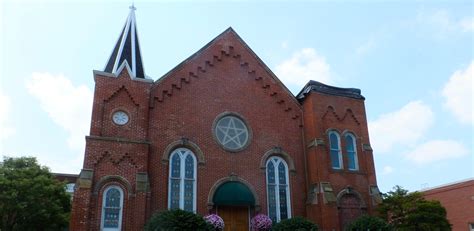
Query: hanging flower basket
x=215 y=221
x=261 y=222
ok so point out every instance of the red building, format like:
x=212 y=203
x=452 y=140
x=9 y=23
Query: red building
x=220 y=133
x=458 y=199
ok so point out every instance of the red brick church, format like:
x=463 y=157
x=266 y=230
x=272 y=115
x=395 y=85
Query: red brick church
x=220 y=133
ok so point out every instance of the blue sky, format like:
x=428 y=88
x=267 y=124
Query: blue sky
x=413 y=61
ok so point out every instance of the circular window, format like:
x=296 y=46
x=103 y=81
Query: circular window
x=231 y=132
x=120 y=117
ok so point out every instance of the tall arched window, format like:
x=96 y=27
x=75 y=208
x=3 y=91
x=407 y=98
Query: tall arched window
x=335 y=150
x=182 y=180
x=112 y=204
x=278 y=190
x=351 y=148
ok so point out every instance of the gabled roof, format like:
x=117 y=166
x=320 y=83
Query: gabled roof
x=230 y=33
x=127 y=50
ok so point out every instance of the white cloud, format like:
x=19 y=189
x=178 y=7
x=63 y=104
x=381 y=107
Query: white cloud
x=436 y=150
x=366 y=47
x=458 y=93
x=387 y=170
x=67 y=105
x=303 y=66
x=6 y=130
x=443 y=23
x=403 y=127
x=467 y=24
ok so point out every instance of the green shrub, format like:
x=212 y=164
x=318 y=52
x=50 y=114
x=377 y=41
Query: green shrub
x=366 y=222
x=177 y=219
x=295 y=223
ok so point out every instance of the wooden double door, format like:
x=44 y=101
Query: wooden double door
x=236 y=218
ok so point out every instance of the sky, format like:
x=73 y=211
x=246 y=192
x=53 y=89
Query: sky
x=413 y=61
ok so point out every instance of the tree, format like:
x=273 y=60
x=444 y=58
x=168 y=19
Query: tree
x=410 y=211
x=30 y=198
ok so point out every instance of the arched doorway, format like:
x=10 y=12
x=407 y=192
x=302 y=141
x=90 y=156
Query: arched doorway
x=350 y=206
x=233 y=201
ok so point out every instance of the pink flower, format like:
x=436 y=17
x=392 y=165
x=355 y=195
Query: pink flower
x=261 y=222
x=215 y=221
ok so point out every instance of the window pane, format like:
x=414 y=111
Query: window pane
x=112 y=199
x=334 y=141
x=281 y=173
x=351 y=159
x=270 y=173
x=189 y=167
x=188 y=195
x=231 y=132
x=283 y=203
x=174 y=194
x=175 y=166
x=231 y=144
x=111 y=217
x=239 y=124
x=335 y=159
x=349 y=143
x=112 y=208
x=272 y=203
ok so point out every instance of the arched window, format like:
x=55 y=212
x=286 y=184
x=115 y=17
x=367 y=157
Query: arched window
x=351 y=149
x=335 y=150
x=278 y=190
x=182 y=180
x=112 y=204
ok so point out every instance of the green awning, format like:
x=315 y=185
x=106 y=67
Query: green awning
x=233 y=193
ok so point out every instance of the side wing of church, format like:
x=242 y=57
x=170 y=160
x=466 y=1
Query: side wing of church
x=220 y=133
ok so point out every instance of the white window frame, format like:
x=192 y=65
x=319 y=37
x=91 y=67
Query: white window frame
x=356 y=158
x=339 y=152
x=104 y=194
x=181 y=177
x=277 y=186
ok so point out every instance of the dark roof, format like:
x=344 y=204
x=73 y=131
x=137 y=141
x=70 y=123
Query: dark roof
x=127 y=49
x=329 y=90
x=70 y=178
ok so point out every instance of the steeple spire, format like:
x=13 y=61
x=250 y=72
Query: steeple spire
x=127 y=49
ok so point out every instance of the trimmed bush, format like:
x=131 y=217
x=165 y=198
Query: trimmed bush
x=368 y=223
x=295 y=223
x=177 y=220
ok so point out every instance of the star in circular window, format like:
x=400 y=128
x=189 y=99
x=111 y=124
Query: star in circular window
x=232 y=133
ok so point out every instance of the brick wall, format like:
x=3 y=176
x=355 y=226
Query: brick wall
x=324 y=113
x=458 y=199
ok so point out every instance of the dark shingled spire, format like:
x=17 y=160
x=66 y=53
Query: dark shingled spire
x=127 y=49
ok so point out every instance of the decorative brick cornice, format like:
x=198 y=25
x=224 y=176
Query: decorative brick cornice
x=348 y=112
x=268 y=88
x=118 y=139
x=115 y=159
x=116 y=93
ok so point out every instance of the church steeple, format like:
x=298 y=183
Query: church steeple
x=127 y=49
